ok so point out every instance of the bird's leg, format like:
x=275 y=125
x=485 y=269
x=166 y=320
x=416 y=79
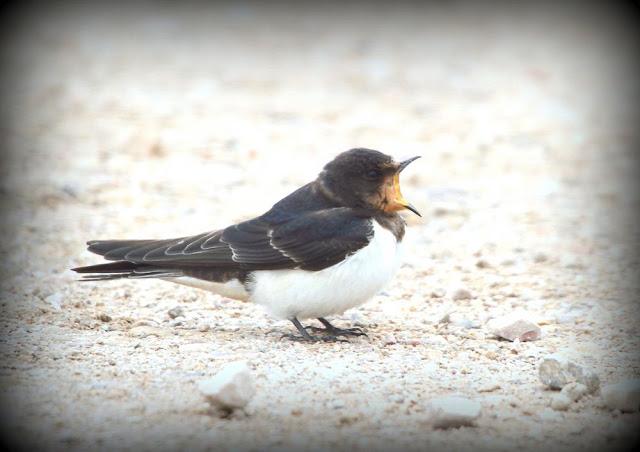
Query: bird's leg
x=306 y=337
x=333 y=331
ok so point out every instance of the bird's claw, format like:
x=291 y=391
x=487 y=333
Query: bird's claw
x=337 y=331
x=309 y=338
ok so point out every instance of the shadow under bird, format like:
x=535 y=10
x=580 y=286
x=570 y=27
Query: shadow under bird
x=327 y=247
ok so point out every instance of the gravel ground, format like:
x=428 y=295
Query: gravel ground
x=158 y=122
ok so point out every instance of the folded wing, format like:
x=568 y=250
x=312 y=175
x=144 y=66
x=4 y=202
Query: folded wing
x=310 y=241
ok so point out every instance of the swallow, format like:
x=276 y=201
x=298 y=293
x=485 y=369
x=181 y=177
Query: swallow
x=325 y=248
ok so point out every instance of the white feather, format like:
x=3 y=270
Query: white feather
x=311 y=294
x=229 y=289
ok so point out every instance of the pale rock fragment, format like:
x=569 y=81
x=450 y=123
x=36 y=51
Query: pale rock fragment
x=231 y=388
x=515 y=326
x=176 y=312
x=574 y=391
x=556 y=372
x=453 y=411
x=55 y=300
x=461 y=293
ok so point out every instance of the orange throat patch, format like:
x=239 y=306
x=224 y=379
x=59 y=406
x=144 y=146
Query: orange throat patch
x=392 y=200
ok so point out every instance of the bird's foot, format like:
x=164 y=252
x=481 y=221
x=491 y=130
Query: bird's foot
x=329 y=334
x=310 y=338
x=299 y=338
x=336 y=332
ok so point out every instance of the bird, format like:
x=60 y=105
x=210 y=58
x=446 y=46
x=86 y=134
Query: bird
x=326 y=247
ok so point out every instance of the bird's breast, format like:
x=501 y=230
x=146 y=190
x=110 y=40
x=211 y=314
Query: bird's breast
x=351 y=282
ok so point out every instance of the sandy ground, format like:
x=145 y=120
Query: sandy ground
x=156 y=122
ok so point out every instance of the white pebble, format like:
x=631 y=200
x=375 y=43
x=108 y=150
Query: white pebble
x=461 y=294
x=55 y=300
x=540 y=257
x=574 y=391
x=231 y=388
x=176 y=312
x=453 y=411
x=389 y=339
x=461 y=321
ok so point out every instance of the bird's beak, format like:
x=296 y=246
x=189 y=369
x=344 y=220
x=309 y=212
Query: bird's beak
x=405 y=163
x=395 y=195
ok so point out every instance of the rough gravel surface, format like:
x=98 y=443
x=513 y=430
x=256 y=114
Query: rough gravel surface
x=161 y=122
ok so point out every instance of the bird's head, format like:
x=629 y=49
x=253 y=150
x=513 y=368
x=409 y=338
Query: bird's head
x=365 y=178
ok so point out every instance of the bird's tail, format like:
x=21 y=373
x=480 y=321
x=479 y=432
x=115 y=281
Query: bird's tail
x=117 y=250
x=124 y=269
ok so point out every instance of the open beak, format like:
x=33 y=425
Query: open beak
x=399 y=202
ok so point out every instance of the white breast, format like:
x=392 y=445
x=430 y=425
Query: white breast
x=311 y=294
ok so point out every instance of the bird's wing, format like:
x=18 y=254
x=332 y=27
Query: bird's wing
x=310 y=241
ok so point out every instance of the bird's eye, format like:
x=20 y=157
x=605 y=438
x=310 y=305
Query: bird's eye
x=373 y=174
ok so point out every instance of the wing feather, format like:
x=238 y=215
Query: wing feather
x=310 y=241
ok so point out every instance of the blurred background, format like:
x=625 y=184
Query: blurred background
x=152 y=120
x=219 y=110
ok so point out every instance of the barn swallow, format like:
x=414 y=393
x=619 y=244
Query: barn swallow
x=327 y=247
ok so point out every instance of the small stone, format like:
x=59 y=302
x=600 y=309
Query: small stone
x=515 y=346
x=55 y=300
x=539 y=258
x=232 y=388
x=553 y=373
x=482 y=263
x=389 y=339
x=556 y=372
x=461 y=294
x=623 y=396
x=560 y=402
x=438 y=293
x=515 y=326
x=574 y=391
x=491 y=355
x=453 y=411
x=104 y=317
x=176 y=312
x=461 y=321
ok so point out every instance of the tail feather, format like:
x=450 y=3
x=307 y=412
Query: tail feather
x=124 y=269
x=109 y=267
x=116 y=249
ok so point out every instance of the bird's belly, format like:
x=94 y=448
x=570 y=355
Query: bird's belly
x=230 y=289
x=333 y=290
